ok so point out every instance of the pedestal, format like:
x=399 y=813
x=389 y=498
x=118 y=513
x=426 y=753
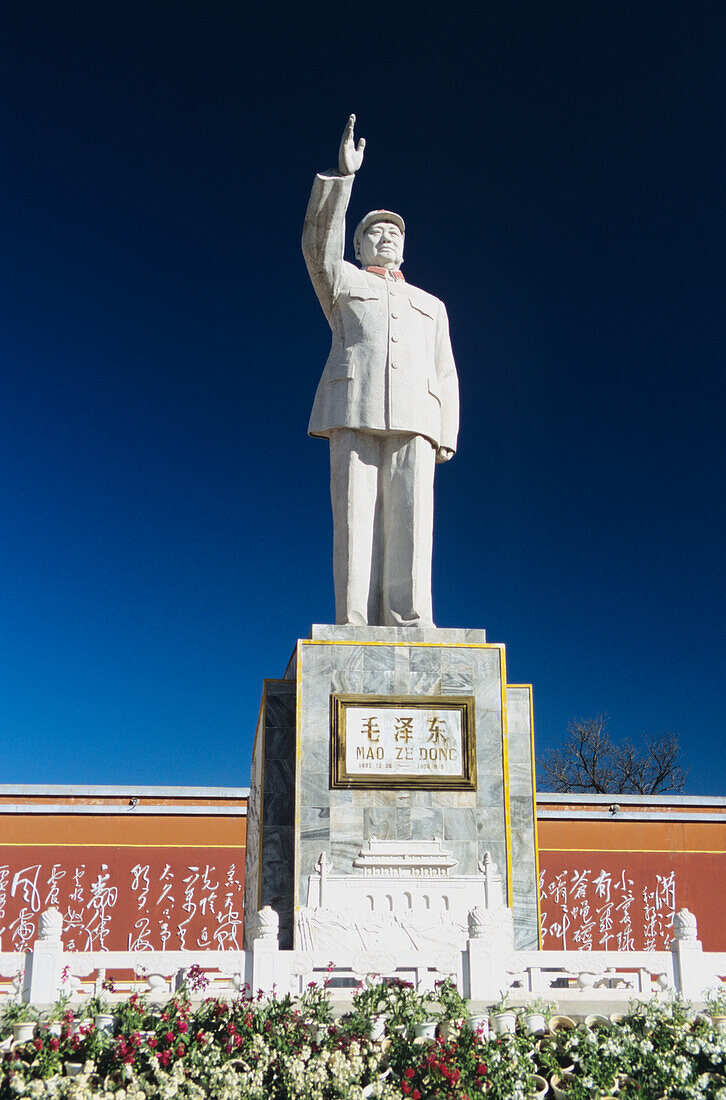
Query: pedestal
x=439 y=696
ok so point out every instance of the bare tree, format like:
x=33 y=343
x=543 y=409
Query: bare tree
x=589 y=760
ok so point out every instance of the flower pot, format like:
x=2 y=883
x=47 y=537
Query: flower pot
x=23 y=1031
x=318 y=1033
x=561 y=1023
x=534 y=1023
x=559 y=1084
x=504 y=1023
x=719 y=1022
x=479 y=1024
x=449 y=1029
x=595 y=1021
x=425 y=1030
x=377 y=1028
x=103 y=1021
x=73 y=1068
x=617 y=1017
x=55 y=1028
x=540 y=1087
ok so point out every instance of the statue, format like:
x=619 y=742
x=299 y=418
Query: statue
x=387 y=401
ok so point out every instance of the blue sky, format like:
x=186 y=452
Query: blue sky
x=166 y=529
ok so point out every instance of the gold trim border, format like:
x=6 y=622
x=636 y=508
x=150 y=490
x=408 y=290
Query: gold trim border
x=341 y=779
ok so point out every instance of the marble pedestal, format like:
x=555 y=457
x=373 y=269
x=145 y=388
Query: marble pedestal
x=295 y=814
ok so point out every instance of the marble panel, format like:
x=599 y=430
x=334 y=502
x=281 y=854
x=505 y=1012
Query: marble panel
x=460 y=825
x=378 y=822
x=378 y=683
x=427 y=822
x=467 y=855
x=425 y=660
x=521 y=816
x=379 y=658
x=456 y=683
x=280 y=742
x=423 y=683
x=342 y=854
x=346 y=683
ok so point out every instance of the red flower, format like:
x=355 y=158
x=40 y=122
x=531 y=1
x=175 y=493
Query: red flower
x=409 y=1072
x=169 y=1037
x=228 y=1047
x=415 y=1095
x=53 y=1042
x=38 y=1044
x=183 y=1026
x=481 y=1069
x=405 y=1088
x=164 y=1057
x=181 y=1050
x=231 y=1029
x=152 y=1042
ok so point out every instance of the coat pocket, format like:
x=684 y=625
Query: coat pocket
x=344 y=370
x=434 y=391
x=423 y=310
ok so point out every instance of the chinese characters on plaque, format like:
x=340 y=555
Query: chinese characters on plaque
x=400 y=741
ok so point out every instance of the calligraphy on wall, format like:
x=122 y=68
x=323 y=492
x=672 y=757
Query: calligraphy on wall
x=124 y=899
x=606 y=904
x=395 y=741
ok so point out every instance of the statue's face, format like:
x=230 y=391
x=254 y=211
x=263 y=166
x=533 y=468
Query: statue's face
x=381 y=246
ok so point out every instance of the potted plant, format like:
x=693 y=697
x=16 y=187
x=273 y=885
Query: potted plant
x=453 y=1008
x=503 y=1017
x=716 y=1007
x=97 y=1008
x=18 y=1019
x=535 y=1016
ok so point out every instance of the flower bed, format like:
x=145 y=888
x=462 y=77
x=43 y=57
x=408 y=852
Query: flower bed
x=285 y=1049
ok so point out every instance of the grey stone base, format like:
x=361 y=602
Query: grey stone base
x=298 y=815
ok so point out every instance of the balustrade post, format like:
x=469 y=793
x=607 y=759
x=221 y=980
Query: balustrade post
x=44 y=964
x=688 y=961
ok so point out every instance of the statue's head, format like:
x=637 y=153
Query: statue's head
x=378 y=240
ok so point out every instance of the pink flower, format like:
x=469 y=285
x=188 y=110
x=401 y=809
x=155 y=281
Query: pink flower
x=183 y=1026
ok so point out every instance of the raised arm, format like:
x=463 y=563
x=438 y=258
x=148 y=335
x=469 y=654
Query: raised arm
x=323 y=240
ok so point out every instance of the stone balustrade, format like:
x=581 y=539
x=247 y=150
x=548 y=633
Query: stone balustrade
x=485 y=969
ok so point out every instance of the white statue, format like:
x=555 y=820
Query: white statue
x=388 y=401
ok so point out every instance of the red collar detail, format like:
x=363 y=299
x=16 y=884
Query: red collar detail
x=384 y=271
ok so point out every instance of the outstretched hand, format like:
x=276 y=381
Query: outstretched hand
x=350 y=158
x=443 y=454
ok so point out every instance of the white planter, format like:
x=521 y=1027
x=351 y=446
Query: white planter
x=559 y=1083
x=377 y=1028
x=73 y=1068
x=103 y=1021
x=540 y=1087
x=719 y=1022
x=504 y=1023
x=449 y=1029
x=479 y=1024
x=55 y=1028
x=535 y=1023
x=426 y=1030
x=24 y=1031
x=595 y=1020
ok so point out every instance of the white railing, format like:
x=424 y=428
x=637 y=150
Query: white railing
x=485 y=969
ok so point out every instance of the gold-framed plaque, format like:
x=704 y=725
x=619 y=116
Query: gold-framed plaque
x=428 y=742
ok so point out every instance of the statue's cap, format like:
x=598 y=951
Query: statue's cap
x=377 y=216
